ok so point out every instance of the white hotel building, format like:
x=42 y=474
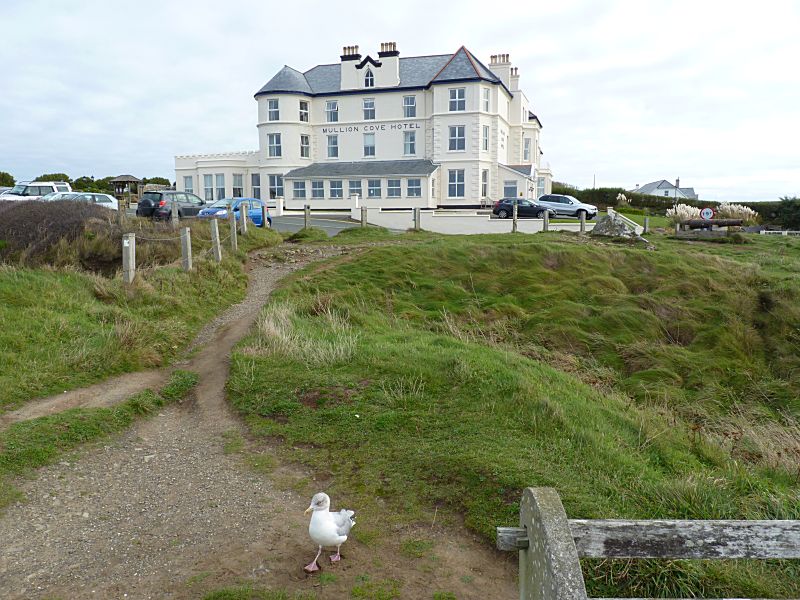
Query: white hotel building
x=421 y=131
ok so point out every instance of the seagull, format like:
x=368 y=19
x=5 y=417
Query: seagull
x=327 y=528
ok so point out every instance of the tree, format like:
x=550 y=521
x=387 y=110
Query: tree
x=156 y=180
x=84 y=183
x=6 y=180
x=54 y=177
x=789 y=213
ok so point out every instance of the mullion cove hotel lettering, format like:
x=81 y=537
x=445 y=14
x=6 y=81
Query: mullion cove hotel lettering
x=442 y=130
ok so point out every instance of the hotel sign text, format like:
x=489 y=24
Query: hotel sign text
x=370 y=127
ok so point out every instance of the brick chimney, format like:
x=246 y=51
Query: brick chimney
x=500 y=65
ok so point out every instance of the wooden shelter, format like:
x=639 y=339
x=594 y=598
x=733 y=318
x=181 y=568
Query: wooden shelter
x=123 y=186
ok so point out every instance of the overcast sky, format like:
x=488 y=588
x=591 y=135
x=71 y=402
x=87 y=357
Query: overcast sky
x=628 y=91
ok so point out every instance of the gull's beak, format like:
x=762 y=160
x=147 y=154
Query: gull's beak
x=308 y=510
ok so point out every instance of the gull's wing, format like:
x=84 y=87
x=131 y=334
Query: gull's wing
x=344 y=521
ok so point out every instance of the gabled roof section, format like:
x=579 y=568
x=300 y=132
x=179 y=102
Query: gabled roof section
x=462 y=65
x=287 y=80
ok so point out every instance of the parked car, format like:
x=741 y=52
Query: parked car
x=35 y=190
x=219 y=210
x=58 y=196
x=568 y=206
x=504 y=208
x=104 y=200
x=158 y=205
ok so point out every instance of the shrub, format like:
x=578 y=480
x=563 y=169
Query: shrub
x=737 y=211
x=683 y=212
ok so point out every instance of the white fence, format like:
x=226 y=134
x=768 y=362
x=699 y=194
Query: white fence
x=764 y=232
x=466 y=222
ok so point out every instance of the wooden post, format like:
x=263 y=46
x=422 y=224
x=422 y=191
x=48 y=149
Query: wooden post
x=514 y=212
x=549 y=568
x=174 y=215
x=417 y=219
x=186 y=248
x=546 y=221
x=232 y=221
x=363 y=216
x=264 y=220
x=243 y=212
x=646 y=228
x=128 y=258
x=583 y=221
x=216 y=248
x=306 y=215
x=120 y=213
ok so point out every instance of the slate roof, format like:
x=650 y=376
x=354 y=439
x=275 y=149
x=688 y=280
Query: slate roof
x=367 y=168
x=524 y=169
x=125 y=179
x=415 y=72
x=653 y=187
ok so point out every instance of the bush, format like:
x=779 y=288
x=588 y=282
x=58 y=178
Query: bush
x=737 y=211
x=683 y=212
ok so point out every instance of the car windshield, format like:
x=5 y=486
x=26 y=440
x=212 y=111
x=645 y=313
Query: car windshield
x=154 y=196
x=17 y=189
x=221 y=203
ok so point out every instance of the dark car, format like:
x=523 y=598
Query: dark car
x=504 y=208
x=158 y=205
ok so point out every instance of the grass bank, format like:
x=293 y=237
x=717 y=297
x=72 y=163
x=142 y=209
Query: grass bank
x=66 y=328
x=456 y=372
x=28 y=445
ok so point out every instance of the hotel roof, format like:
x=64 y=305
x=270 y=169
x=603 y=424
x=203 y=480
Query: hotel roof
x=416 y=72
x=376 y=168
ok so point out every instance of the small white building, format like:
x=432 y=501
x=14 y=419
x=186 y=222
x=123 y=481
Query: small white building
x=424 y=131
x=666 y=189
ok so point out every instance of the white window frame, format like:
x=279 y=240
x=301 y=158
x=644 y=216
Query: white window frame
x=274 y=145
x=369 y=78
x=275 y=186
x=486 y=99
x=455 y=183
x=354 y=189
x=368 y=106
x=458 y=99
x=219 y=180
x=486 y=138
x=238 y=190
x=336 y=188
x=299 y=190
x=188 y=184
x=414 y=188
x=394 y=191
x=507 y=185
x=409 y=107
x=255 y=185
x=317 y=188
x=457 y=137
x=304 y=112
x=208 y=187
x=332 y=111
x=409 y=143
x=333 y=146
x=305 y=145
x=526 y=149
x=485 y=183
x=273 y=109
x=369 y=148
x=371 y=188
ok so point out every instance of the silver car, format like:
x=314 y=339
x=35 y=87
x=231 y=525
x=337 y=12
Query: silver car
x=567 y=206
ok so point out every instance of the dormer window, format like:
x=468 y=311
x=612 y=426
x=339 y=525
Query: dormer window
x=369 y=79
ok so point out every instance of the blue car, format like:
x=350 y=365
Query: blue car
x=219 y=210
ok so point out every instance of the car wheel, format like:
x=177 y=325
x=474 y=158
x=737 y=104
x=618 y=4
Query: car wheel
x=503 y=214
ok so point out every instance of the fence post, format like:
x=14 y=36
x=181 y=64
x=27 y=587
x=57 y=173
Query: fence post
x=363 y=216
x=514 y=212
x=216 y=249
x=417 y=219
x=306 y=215
x=243 y=212
x=128 y=258
x=549 y=568
x=174 y=211
x=583 y=221
x=546 y=221
x=186 y=248
x=121 y=213
x=264 y=220
x=232 y=221
x=646 y=228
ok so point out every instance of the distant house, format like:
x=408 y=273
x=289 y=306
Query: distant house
x=666 y=189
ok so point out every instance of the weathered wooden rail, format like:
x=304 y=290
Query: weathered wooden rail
x=550 y=545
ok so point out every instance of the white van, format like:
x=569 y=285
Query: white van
x=35 y=190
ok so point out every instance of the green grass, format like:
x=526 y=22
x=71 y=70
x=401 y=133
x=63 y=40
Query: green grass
x=637 y=215
x=67 y=329
x=308 y=234
x=248 y=592
x=458 y=371
x=28 y=445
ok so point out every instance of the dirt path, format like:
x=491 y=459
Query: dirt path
x=162 y=511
